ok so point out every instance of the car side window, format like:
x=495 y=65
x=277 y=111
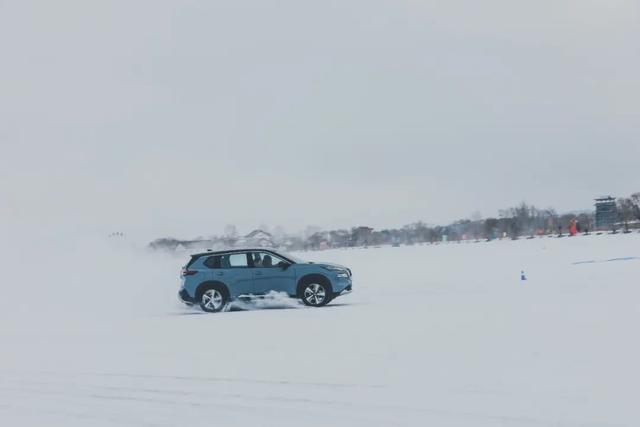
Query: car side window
x=213 y=262
x=266 y=260
x=234 y=261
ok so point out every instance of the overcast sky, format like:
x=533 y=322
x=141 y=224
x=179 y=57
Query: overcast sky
x=180 y=117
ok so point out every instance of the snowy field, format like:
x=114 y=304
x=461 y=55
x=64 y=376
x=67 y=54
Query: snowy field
x=93 y=335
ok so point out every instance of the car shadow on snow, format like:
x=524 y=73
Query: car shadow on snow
x=256 y=306
x=293 y=305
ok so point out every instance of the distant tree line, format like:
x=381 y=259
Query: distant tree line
x=516 y=222
x=628 y=210
x=519 y=221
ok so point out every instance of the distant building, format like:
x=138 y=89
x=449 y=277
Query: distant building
x=170 y=244
x=257 y=238
x=606 y=212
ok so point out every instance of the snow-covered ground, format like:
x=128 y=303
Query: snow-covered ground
x=447 y=335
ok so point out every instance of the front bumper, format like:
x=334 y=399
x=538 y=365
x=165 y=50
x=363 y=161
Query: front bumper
x=342 y=285
x=345 y=291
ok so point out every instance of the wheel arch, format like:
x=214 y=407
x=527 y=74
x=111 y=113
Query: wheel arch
x=211 y=284
x=310 y=278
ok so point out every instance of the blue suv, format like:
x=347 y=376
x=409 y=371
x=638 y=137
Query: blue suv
x=212 y=279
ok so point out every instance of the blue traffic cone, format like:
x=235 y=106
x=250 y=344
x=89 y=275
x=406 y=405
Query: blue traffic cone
x=522 y=276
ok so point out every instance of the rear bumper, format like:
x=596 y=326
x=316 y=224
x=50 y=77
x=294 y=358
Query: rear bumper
x=184 y=297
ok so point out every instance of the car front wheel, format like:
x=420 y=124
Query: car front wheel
x=315 y=294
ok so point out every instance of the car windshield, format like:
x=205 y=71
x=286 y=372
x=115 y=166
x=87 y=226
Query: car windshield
x=292 y=258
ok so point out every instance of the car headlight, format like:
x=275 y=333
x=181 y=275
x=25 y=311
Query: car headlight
x=341 y=272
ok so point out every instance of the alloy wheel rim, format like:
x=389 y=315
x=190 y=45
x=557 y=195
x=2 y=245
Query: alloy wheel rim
x=314 y=294
x=212 y=299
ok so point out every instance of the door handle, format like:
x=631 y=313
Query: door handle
x=219 y=273
x=258 y=273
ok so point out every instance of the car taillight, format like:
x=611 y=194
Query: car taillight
x=186 y=272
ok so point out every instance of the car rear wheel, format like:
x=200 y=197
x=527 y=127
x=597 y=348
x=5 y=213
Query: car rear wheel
x=315 y=294
x=212 y=301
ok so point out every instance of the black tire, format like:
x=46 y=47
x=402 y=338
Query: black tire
x=213 y=299
x=315 y=292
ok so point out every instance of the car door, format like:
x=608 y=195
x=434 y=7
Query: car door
x=272 y=273
x=235 y=272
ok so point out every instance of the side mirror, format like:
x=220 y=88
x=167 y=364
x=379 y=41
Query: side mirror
x=283 y=265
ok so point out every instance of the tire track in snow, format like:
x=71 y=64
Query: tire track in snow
x=236 y=402
x=219 y=379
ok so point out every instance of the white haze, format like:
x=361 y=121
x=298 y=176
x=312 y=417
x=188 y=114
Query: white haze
x=158 y=118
